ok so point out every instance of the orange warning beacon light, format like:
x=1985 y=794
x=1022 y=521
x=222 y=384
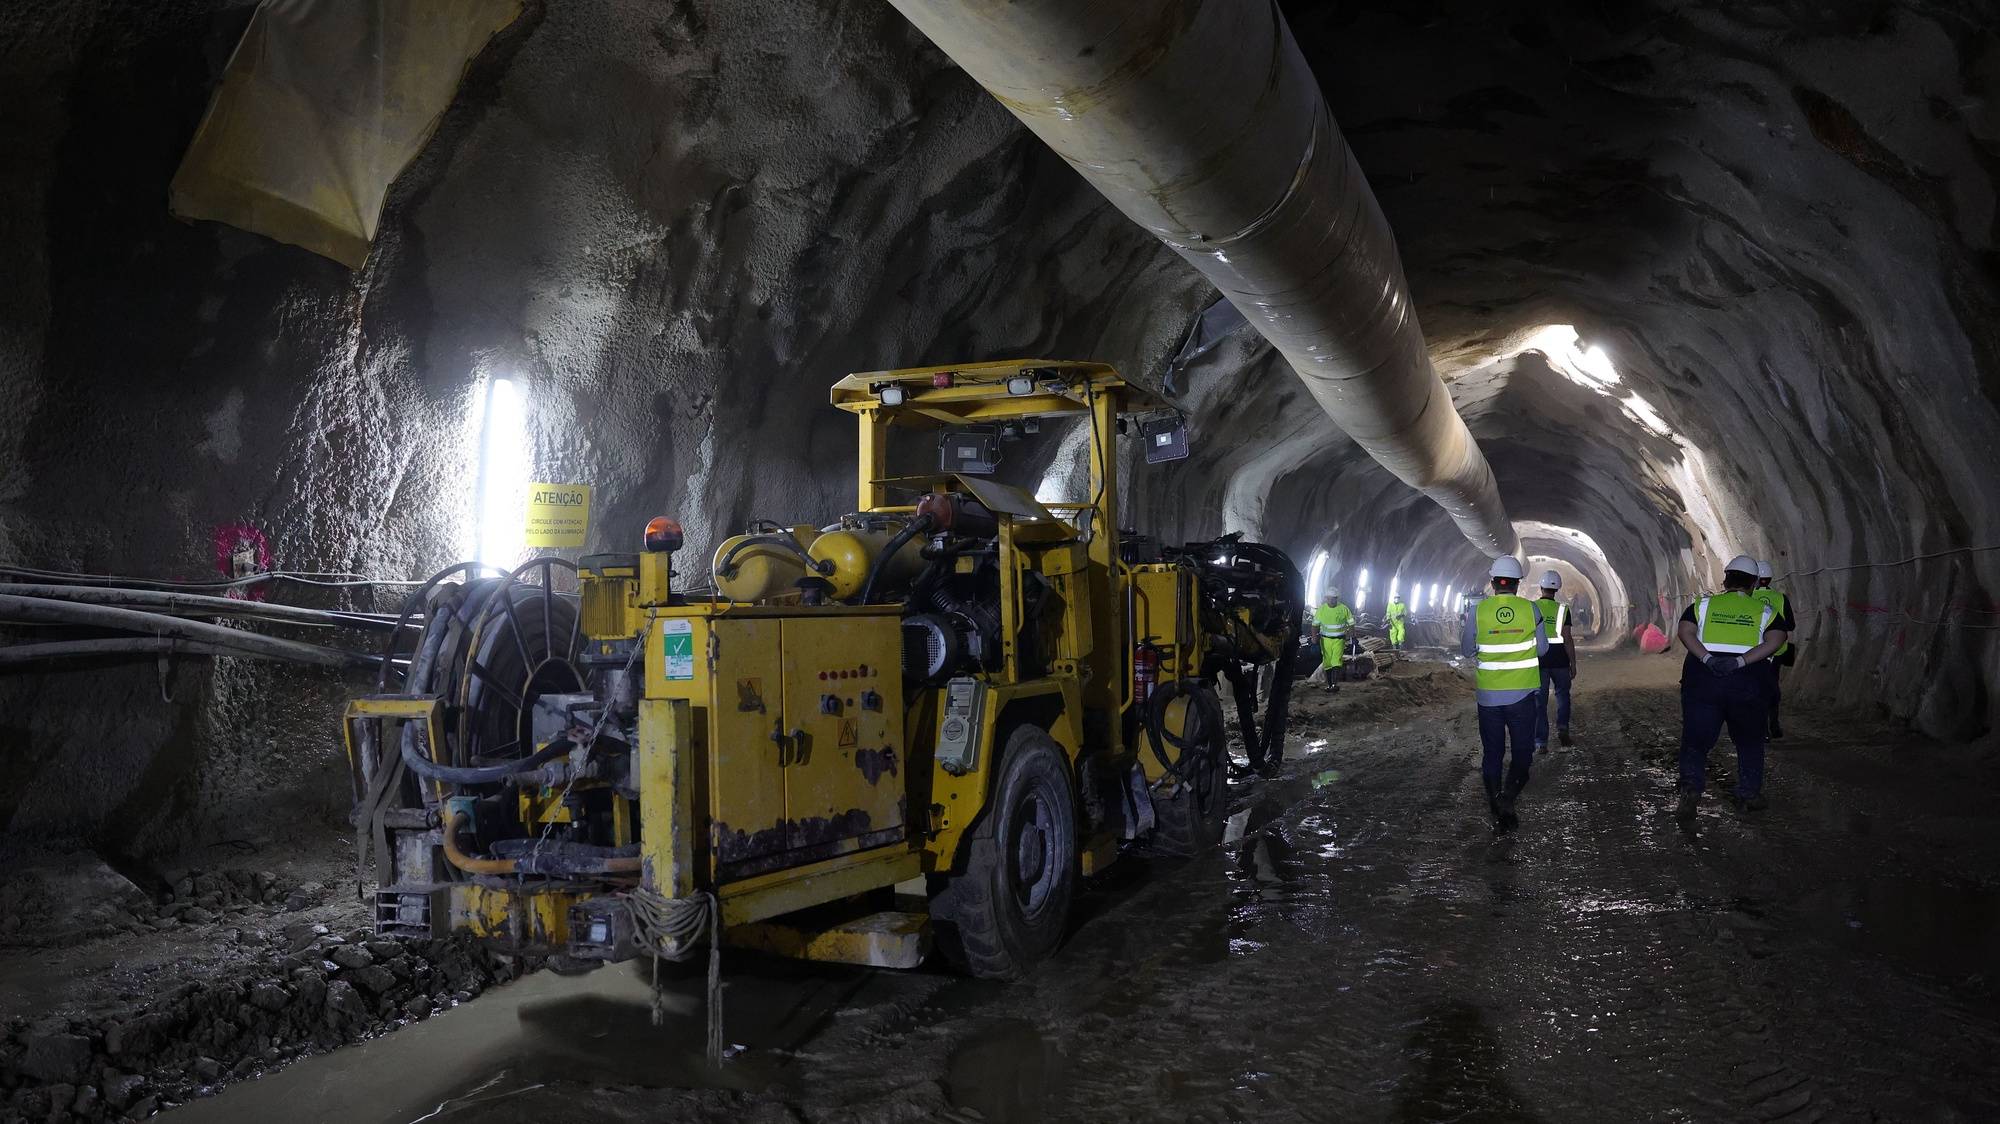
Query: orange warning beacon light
x=663 y=533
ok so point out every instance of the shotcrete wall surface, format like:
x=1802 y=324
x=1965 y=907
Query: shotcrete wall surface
x=674 y=224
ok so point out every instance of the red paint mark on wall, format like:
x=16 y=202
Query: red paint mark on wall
x=240 y=551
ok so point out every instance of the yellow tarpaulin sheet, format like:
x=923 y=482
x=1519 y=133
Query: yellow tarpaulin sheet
x=322 y=105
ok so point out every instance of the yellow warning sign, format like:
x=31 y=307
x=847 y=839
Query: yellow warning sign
x=558 y=514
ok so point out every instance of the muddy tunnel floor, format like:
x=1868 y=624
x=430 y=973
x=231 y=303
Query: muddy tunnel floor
x=1364 y=948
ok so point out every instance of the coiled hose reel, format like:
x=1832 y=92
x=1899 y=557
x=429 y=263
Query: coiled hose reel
x=1197 y=756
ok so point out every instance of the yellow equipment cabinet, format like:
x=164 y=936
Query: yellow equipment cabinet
x=955 y=687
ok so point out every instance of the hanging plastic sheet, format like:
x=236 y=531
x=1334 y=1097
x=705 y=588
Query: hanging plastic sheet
x=323 y=104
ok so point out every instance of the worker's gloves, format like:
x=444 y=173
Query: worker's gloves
x=1724 y=665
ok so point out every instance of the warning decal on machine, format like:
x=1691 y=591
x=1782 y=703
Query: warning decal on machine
x=558 y=514
x=679 y=648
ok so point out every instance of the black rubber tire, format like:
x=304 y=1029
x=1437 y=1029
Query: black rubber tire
x=1006 y=908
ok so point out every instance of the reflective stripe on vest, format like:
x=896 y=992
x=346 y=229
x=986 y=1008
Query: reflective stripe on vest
x=1333 y=621
x=1731 y=623
x=1561 y=618
x=1776 y=601
x=1504 y=632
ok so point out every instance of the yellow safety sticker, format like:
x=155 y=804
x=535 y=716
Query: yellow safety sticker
x=558 y=514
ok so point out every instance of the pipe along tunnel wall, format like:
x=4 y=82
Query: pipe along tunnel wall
x=1775 y=225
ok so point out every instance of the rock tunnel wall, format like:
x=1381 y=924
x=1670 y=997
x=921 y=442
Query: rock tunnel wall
x=675 y=224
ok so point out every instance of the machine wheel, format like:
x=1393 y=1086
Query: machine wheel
x=1008 y=907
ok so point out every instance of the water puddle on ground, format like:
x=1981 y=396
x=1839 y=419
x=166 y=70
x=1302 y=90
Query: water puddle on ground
x=1005 y=1071
x=468 y=1062
x=1951 y=932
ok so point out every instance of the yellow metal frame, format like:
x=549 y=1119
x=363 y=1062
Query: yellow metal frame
x=681 y=722
x=392 y=708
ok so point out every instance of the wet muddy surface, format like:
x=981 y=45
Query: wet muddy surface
x=1363 y=948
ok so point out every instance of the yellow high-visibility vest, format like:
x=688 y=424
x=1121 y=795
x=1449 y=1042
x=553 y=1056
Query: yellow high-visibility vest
x=1732 y=623
x=1555 y=621
x=1504 y=630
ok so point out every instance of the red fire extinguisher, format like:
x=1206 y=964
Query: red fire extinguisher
x=1145 y=672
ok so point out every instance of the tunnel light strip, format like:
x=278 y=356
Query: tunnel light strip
x=502 y=481
x=1314 y=574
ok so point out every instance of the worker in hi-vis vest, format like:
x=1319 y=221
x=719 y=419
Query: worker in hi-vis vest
x=1726 y=636
x=1505 y=639
x=1558 y=663
x=1788 y=654
x=1398 y=613
x=1335 y=620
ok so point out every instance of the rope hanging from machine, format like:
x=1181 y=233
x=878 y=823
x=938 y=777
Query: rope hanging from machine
x=671 y=929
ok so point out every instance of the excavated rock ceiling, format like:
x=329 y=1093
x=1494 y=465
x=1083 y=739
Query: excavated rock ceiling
x=1704 y=277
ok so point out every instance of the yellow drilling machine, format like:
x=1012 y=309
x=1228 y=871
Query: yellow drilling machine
x=916 y=727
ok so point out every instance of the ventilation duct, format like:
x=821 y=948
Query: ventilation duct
x=1201 y=121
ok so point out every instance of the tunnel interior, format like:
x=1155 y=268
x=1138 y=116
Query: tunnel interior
x=1699 y=283
x=1702 y=279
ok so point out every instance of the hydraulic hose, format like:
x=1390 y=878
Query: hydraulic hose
x=480 y=774
x=1201 y=734
x=554 y=859
x=44 y=610
x=458 y=858
x=922 y=524
x=18 y=655
x=199 y=603
x=725 y=566
x=1277 y=710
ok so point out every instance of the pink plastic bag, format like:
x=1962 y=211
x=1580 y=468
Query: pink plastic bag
x=1651 y=640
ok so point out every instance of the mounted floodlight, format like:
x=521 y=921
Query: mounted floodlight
x=890 y=393
x=1020 y=385
x=1166 y=439
x=1436 y=588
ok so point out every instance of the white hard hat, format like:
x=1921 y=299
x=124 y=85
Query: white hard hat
x=1742 y=564
x=1551 y=580
x=1506 y=566
x=1763 y=568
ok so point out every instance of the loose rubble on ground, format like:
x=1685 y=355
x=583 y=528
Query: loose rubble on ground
x=285 y=988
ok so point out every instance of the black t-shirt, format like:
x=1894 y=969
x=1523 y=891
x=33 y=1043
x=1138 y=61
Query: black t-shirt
x=1783 y=623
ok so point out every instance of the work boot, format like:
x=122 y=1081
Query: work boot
x=1562 y=735
x=1690 y=798
x=1492 y=795
x=1508 y=820
x=1755 y=803
x=1777 y=731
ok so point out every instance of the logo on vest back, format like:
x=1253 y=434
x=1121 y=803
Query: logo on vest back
x=1504 y=614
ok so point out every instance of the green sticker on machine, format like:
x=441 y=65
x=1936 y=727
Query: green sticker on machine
x=679 y=648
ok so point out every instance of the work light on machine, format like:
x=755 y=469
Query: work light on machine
x=1020 y=385
x=890 y=393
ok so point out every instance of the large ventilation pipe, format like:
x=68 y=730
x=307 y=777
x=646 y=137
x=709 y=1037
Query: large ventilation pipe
x=1201 y=121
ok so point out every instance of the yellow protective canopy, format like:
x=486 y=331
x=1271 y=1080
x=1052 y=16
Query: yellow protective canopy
x=323 y=104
